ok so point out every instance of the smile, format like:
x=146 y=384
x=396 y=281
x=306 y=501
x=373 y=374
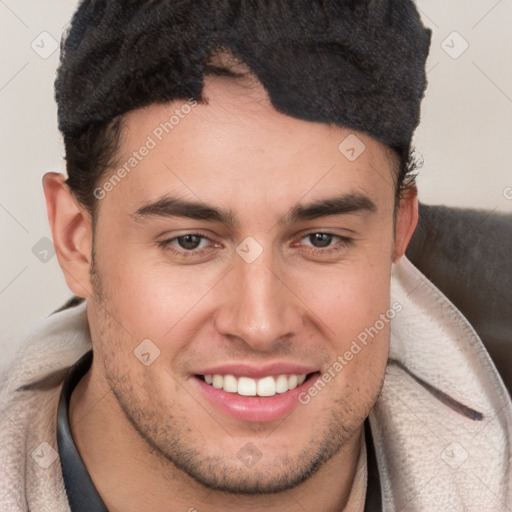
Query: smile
x=265 y=396
x=247 y=386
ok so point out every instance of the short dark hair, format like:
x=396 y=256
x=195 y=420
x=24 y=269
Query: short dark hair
x=358 y=64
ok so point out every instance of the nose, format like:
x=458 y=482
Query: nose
x=261 y=308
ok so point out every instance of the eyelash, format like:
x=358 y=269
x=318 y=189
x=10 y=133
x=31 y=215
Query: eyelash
x=343 y=243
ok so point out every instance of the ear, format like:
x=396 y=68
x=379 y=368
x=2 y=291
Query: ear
x=406 y=221
x=72 y=233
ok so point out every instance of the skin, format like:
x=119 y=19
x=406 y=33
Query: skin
x=149 y=439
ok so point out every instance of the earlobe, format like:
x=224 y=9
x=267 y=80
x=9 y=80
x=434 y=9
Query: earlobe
x=72 y=233
x=406 y=221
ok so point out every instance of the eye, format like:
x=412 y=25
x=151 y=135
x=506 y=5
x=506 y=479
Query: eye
x=189 y=242
x=326 y=243
x=186 y=245
x=320 y=239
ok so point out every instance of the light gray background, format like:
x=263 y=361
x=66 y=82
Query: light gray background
x=465 y=135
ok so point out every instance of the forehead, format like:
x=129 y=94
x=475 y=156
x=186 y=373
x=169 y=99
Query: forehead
x=237 y=148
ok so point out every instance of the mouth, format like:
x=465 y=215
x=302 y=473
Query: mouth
x=261 y=398
x=248 y=386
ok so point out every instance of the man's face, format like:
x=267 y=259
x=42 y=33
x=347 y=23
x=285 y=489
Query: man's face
x=265 y=295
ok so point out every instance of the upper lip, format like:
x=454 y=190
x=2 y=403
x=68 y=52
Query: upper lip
x=247 y=370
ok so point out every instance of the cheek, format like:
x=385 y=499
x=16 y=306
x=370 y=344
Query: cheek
x=347 y=298
x=154 y=299
x=354 y=305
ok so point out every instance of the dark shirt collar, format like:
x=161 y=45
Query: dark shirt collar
x=83 y=496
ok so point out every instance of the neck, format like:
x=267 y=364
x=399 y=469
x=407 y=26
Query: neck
x=130 y=476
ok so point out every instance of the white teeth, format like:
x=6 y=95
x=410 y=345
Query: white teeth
x=282 y=384
x=266 y=386
x=246 y=386
x=292 y=381
x=230 y=384
x=218 y=381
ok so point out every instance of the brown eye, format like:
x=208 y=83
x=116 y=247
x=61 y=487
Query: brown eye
x=189 y=242
x=320 y=239
x=321 y=243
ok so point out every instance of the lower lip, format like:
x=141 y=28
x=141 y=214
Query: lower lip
x=256 y=408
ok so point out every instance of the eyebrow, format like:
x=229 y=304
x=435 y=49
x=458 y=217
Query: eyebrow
x=175 y=207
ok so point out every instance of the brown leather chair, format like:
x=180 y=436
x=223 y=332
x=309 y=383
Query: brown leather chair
x=467 y=254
